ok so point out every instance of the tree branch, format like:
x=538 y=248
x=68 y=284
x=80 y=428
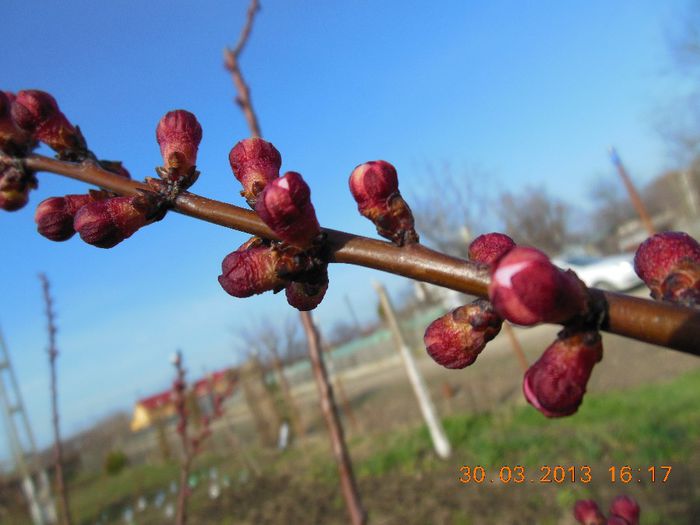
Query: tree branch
x=664 y=324
x=57 y=446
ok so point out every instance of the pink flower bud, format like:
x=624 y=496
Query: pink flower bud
x=15 y=186
x=669 y=264
x=37 y=112
x=285 y=206
x=54 y=216
x=13 y=140
x=490 y=247
x=526 y=288
x=251 y=270
x=305 y=296
x=626 y=508
x=179 y=134
x=106 y=223
x=375 y=187
x=254 y=162
x=456 y=339
x=587 y=512
x=556 y=382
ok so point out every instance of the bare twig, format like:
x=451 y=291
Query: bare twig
x=659 y=323
x=335 y=428
x=57 y=446
x=231 y=63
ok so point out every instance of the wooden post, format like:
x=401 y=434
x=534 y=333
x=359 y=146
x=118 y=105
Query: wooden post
x=437 y=432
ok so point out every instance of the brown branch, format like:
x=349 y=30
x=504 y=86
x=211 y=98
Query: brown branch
x=180 y=398
x=332 y=418
x=654 y=322
x=57 y=446
x=231 y=64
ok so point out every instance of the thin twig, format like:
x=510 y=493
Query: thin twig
x=231 y=63
x=57 y=446
x=180 y=400
x=329 y=408
x=659 y=323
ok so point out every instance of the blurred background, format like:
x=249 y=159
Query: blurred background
x=497 y=117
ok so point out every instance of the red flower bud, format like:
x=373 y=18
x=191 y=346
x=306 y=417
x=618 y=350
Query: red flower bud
x=251 y=270
x=375 y=187
x=254 y=162
x=37 y=112
x=305 y=296
x=13 y=140
x=669 y=264
x=587 y=512
x=556 y=382
x=106 y=223
x=490 y=247
x=455 y=340
x=15 y=186
x=54 y=216
x=285 y=206
x=179 y=134
x=626 y=508
x=526 y=288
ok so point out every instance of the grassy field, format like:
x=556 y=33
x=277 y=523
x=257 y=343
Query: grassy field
x=402 y=481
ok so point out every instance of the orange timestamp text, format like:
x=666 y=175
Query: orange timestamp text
x=559 y=474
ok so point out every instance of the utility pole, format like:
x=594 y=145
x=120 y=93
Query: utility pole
x=437 y=432
x=35 y=482
x=632 y=192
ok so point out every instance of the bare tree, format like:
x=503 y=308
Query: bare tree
x=446 y=219
x=532 y=217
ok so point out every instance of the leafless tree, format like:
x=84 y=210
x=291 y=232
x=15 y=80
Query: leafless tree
x=448 y=209
x=533 y=217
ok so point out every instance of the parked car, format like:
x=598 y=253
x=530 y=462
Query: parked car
x=613 y=272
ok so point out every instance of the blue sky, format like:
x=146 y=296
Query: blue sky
x=530 y=93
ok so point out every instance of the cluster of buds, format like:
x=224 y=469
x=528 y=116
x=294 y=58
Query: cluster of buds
x=624 y=510
x=296 y=263
x=669 y=264
x=526 y=288
x=456 y=339
x=15 y=181
x=103 y=219
x=375 y=187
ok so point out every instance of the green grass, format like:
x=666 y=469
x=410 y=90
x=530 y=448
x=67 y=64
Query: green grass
x=654 y=424
x=648 y=425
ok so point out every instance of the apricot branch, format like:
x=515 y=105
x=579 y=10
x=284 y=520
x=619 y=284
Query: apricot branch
x=660 y=323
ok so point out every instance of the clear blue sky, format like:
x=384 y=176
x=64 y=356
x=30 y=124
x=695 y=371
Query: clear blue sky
x=531 y=93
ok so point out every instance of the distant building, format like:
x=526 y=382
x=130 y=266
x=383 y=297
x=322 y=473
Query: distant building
x=160 y=406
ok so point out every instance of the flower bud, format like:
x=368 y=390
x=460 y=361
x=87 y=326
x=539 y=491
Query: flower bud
x=375 y=187
x=179 y=134
x=490 y=247
x=37 y=112
x=13 y=140
x=626 y=508
x=254 y=162
x=556 y=382
x=305 y=296
x=526 y=288
x=285 y=206
x=456 y=339
x=54 y=216
x=251 y=270
x=15 y=185
x=669 y=264
x=587 y=512
x=106 y=223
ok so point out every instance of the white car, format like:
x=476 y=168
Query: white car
x=613 y=272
